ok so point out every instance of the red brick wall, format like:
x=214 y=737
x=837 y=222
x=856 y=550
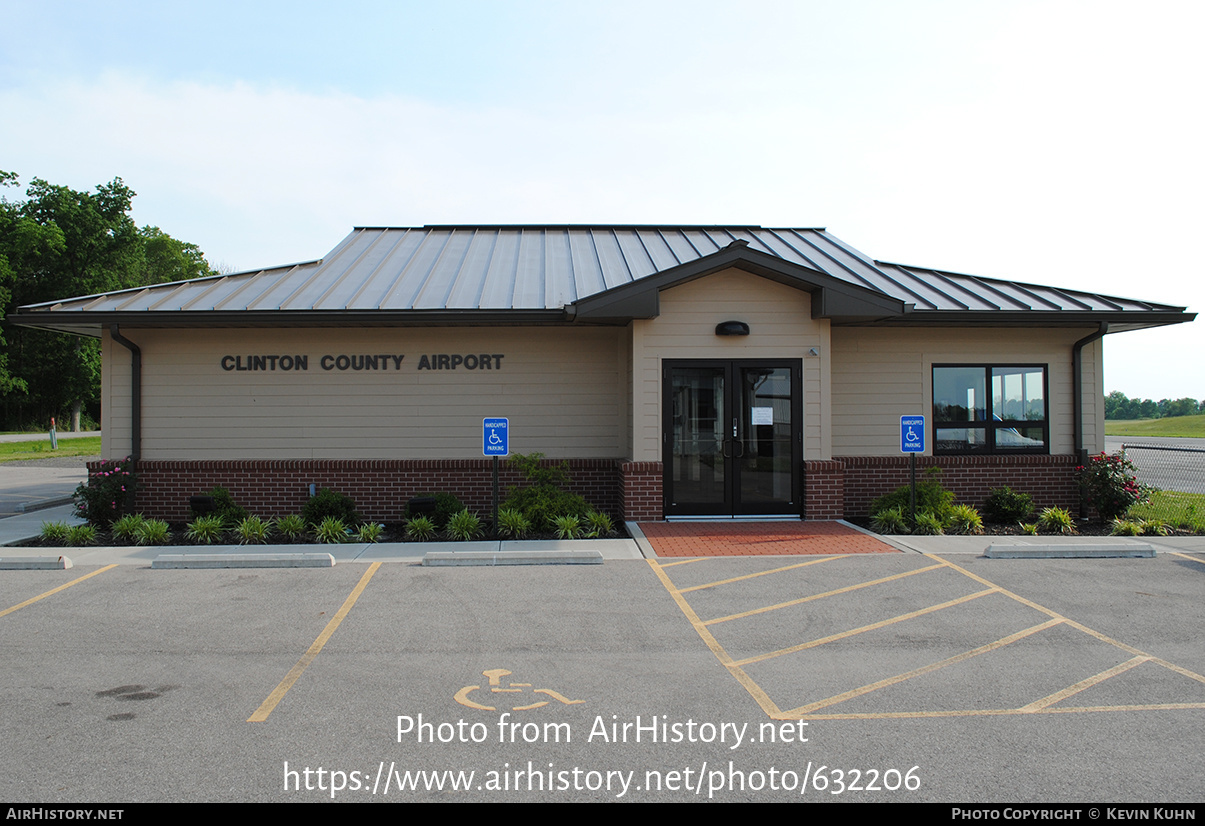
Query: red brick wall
x=1050 y=480
x=823 y=490
x=630 y=490
x=380 y=487
x=642 y=494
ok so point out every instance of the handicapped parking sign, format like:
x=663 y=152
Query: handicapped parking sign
x=912 y=434
x=494 y=439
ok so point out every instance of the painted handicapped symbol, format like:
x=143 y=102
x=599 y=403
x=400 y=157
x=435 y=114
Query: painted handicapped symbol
x=495 y=439
x=495 y=676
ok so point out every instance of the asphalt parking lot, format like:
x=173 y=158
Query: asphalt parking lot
x=911 y=677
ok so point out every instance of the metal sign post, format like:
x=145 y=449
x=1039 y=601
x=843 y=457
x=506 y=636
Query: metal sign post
x=912 y=442
x=495 y=442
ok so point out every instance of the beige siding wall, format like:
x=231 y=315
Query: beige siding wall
x=884 y=373
x=559 y=388
x=781 y=326
x=1094 y=397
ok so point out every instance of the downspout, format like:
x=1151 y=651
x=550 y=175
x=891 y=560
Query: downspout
x=135 y=392
x=1077 y=379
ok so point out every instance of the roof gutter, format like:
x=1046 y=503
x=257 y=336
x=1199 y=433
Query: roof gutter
x=1077 y=378
x=135 y=391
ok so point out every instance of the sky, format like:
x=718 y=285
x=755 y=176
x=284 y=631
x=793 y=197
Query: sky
x=1046 y=142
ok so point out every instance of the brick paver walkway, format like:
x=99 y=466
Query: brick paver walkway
x=758 y=538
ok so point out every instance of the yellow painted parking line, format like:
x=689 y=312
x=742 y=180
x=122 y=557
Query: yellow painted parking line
x=1071 y=690
x=296 y=671
x=759 y=573
x=844 y=590
x=755 y=691
x=997 y=712
x=796 y=713
x=1077 y=626
x=65 y=585
x=686 y=561
x=1198 y=560
x=873 y=626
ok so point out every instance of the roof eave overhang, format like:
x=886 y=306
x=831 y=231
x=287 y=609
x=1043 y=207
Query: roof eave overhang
x=832 y=297
x=1119 y=322
x=91 y=323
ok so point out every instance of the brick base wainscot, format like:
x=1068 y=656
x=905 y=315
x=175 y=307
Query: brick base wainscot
x=1052 y=481
x=380 y=487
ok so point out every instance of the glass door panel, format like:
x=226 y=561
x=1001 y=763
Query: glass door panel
x=698 y=419
x=766 y=439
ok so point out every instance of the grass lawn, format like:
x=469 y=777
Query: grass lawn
x=1181 y=510
x=15 y=451
x=1180 y=427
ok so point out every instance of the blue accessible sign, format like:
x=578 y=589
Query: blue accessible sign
x=912 y=434
x=494 y=438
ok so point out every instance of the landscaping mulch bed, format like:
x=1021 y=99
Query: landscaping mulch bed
x=394 y=532
x=990 y=529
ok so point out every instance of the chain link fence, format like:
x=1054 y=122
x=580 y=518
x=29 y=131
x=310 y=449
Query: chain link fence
x=1179 y=475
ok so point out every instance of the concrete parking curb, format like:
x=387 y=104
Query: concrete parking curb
x=34 y=563
x=1136 y=550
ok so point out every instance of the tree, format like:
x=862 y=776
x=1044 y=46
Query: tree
x=58 y=243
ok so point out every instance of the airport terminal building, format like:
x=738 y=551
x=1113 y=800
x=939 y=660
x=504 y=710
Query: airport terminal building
x=681 y=371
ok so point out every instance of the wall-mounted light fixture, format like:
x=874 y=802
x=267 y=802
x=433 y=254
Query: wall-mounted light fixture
x=732 y=328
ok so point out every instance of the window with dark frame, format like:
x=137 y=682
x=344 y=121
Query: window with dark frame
x=990 y=408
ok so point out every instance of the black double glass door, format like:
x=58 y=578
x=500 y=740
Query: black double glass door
x=733 y=437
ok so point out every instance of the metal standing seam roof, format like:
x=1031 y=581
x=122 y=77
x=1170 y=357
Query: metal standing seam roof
x=546 y=268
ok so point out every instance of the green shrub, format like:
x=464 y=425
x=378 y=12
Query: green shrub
x=446 y=504
x=331 y=530
x=543 y=499
x=931 y=497
x=1126 y=527
x=108 y=492
x=1005 y=506
x=225 y=506
x=291 y=526
x=512 y=523
x=537 y=473
x=542 y=504
x=80 y=535
x=890 y=521
x=1154 y=527
x=127 y=526
x=964 y=521
x=370 y=532
x=928 y=524
x=420 y=528
x=464 y=526
x=328 y=503
x=253 y=531
x=598 y=524
x=205 y=529
x=1110 y=486
x=1029 y=528
x=1056 y=520
x=567 y=527
x=55 y=532
x=153 y=532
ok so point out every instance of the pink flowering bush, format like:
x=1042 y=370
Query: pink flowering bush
x=107 y=494
x=1109 y=485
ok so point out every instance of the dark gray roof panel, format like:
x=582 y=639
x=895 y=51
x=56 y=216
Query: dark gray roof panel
x=546 y=267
